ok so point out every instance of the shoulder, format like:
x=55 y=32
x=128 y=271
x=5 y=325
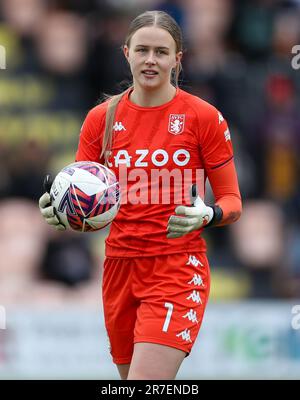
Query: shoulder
x=204 y=111
x=95 y=118
x=94 y=121
x=99 y=111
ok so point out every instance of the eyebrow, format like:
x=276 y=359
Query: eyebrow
x=159 y=47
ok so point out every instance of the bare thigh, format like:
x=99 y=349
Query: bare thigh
x=155 y=361
x=123 y=370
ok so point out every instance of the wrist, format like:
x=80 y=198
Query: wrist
x=210 y=213
x=217 y=216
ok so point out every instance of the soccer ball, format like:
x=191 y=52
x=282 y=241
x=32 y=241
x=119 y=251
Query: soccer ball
x=86 y=196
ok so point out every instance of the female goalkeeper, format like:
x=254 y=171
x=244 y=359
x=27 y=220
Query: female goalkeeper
x=159 y=140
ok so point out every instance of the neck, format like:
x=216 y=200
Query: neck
x=152 y=98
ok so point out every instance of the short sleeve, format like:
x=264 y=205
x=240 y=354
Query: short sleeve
x=91 y=135
x=215 y=141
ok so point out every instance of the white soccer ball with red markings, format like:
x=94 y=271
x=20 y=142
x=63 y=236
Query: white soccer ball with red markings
x=86 y=196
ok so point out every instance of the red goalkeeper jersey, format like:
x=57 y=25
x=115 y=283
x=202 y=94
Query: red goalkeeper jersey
x=157 y=153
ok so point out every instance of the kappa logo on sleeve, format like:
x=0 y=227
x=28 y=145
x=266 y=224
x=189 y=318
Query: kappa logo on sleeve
x=227 y=135
x=176 y=123
x=221 y=118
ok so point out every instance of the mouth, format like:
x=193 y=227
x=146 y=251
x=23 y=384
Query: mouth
x=149 y=72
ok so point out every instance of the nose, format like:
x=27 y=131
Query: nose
x=150 y=60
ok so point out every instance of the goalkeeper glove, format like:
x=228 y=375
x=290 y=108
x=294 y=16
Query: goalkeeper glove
x=193 y=217
x=46 y=209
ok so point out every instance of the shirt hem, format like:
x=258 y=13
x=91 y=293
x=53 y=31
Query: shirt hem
x=110 y=253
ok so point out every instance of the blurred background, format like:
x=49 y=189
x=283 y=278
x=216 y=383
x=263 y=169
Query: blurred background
x=61 y=56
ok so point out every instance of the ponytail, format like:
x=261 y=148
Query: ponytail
x=109 y=123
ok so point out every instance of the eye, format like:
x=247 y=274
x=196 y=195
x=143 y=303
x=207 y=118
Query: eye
x=159 y=51
x=141 y=50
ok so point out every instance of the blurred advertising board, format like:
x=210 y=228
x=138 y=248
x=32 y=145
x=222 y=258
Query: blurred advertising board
x=241 y=340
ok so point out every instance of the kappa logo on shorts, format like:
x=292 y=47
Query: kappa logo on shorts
x=197 y=280
x=185 y=335
x=194 y=261
x=195 y=297
x=176 y=123
x=191 y=315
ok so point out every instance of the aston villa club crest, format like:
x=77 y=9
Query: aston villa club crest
x=176 y=123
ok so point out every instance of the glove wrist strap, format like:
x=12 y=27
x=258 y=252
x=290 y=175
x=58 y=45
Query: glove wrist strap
x=217 y=216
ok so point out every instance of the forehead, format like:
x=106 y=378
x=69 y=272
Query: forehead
x=152 y=36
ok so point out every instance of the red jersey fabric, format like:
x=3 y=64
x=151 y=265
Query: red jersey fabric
x=181 y=142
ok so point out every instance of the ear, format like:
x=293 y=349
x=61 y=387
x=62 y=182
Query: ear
x=126 y=52
x=178 y=58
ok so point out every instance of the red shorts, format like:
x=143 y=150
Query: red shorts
x=158 y=299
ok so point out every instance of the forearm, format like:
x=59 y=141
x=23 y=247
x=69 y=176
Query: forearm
x=228 y=203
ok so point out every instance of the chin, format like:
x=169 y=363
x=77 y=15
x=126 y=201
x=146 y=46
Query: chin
x=150 y=85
